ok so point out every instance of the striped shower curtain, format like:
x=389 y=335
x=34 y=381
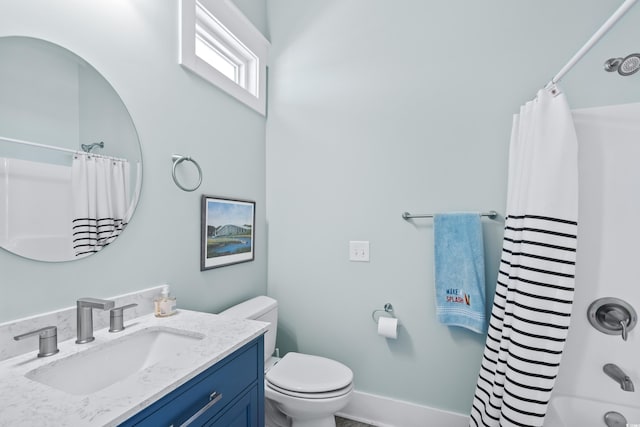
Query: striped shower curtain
x=100 y=189
x=534 y=294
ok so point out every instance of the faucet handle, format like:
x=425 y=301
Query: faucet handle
x=623 y=325
x=617 y=316
x=116 y=318
x=48 y=344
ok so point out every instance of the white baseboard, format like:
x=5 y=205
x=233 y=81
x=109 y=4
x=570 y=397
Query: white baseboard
x=386 y=412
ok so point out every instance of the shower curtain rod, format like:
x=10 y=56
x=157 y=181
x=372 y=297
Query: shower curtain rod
x=610 y=23
x=35 y=144
x=52 y=147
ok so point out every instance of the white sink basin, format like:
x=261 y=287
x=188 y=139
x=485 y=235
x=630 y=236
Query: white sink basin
x=103 y=365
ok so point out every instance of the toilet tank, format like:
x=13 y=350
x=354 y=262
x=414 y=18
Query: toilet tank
x=260 y=308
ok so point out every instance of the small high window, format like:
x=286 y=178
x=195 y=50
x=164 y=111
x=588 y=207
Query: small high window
x=218 y=43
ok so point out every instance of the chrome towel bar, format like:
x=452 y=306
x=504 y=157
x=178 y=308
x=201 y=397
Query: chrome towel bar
x=407 y=215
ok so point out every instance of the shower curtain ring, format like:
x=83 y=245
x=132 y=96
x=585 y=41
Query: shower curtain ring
x=177 y=159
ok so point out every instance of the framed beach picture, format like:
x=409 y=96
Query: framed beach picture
x=228 y=230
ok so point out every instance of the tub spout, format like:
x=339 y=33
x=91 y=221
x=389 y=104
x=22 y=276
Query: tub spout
x=619 y=376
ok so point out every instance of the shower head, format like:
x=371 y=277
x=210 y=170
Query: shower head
x=629 y=65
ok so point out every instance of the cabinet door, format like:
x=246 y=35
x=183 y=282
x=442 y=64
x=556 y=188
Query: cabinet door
x=242 y=413
x=230 y=378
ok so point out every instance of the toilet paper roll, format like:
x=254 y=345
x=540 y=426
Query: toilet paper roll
x=388 y=327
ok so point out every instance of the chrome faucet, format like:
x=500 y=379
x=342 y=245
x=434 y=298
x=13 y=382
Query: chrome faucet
x=84 y=314
x=617 y=374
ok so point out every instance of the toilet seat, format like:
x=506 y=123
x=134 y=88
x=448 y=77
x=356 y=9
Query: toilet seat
x=310 y=377
x=302 y=395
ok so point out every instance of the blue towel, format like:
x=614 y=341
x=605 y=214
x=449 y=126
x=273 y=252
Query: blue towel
x=459 y=271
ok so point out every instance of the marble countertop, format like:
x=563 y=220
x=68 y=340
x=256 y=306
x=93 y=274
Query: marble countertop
x=27 y=402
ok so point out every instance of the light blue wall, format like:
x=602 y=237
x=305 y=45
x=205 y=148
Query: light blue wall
x=134 y=44
x=378 y=107
x=256 y=12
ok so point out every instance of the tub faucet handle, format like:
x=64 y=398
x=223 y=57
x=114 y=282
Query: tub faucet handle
x=623 y=324
x=619 y=317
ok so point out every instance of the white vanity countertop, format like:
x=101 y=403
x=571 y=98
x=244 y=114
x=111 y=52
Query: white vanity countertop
x=24 y=402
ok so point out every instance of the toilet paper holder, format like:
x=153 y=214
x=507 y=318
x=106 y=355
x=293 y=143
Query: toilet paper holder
x=387 y=311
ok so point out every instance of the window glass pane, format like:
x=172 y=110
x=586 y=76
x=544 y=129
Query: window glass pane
x=220 y=45
x=214 y=58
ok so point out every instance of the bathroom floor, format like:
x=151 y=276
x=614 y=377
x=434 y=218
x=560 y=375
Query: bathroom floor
x=343 y=422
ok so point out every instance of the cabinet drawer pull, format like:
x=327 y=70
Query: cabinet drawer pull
x=213 y=399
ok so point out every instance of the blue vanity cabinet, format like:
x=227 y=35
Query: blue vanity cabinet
x=230 y=393
x=242 y=413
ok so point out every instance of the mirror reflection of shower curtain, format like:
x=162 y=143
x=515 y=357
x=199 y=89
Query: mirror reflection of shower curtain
x=534 y=294
x=100 y=201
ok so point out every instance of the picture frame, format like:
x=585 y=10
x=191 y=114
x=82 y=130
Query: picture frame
x=227 y=232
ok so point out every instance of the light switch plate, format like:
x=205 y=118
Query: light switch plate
x=359 y=250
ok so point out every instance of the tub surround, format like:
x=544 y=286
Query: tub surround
x=25 y=399
x=606 y=263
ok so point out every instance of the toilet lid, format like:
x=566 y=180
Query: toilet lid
x=304 y=373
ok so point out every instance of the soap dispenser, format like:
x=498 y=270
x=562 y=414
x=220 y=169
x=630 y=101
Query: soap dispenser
x=165 y=305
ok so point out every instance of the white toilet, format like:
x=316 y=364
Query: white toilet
x=301 y=390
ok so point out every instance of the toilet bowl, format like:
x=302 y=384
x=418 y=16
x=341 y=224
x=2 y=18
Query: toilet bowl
x=305 y=390
x=309 y=389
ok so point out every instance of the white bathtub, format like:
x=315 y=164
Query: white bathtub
x=570 y=411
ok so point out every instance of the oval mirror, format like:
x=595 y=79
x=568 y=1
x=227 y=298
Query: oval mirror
x=70 y=158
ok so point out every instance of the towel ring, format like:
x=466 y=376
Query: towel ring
x=177 y=159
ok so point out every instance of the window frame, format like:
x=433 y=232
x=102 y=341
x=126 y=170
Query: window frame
x=240 y=33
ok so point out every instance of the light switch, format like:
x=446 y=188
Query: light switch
x=359 y=250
